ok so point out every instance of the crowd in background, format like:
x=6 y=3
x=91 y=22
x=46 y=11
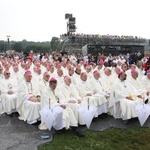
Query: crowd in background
x=103 y=38
x=109 y=60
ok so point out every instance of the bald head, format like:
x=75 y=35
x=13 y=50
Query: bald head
x=67 y=80
x=108 y=71
x=46 y=76
x=83 y=76
x=88 y=68
x=60 y=72
x=134 y=74
x=96 y=75
x=28 y=77
x=117 y=70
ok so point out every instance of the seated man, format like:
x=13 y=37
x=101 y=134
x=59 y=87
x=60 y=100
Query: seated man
x=1 y=72
x=107 y=79
x=127 y=95
x=137 y=83
x=59 y=77
x=51 y=96
x=87 y=93
x=8 y=94
x=44 y=82
x=71 y=97
x=146 y=83
x=28 y=100
x=97 y=85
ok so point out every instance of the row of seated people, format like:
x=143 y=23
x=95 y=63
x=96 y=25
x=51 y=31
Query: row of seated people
x=69 y=96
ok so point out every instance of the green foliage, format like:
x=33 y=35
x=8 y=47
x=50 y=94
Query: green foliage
x=37 y=48
x=110 y=139
x=17 y=46
x=26 y=46
x=2 y=46
x=55 y=43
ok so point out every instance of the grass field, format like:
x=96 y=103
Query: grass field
x=135 y=138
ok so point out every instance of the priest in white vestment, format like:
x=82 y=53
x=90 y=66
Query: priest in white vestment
x=28 y=100
x=128 y=72
x=64 y=68
x=44 y=82
x=100 y=68
x=97 y=85
x=107 y=80
x=37 y=77
x=125 y=94
x=8 y=93
x=140 y=69
x=90 y=96
x=71 y=75
x=59 y=77
x=52 y=71
x=1 y=73
x=146 y=81
x=89 y=72
x=116 y=73
x=77 y=75
x=16 y=73
x=136 y=83
x=51 y=96
x=123 y=68
x=71 y=97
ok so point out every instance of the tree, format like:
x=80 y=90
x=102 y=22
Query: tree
x=55 y=43
x=17 y=46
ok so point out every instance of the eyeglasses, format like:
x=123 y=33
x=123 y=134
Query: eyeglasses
x=7 y=73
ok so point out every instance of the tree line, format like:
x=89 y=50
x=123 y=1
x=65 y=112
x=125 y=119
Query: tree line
x=26 y=46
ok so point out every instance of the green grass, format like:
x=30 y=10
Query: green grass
x=136 y=138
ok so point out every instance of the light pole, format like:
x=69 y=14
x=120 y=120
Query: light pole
x=8 y=47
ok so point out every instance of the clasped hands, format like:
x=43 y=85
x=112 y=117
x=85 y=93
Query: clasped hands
x=73 y=101
x=35 y=98
x=90 y=94
x=10 y=92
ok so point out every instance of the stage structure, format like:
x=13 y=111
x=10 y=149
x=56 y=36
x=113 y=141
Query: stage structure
x=94 y=44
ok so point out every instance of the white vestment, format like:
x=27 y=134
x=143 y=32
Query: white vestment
x=71 y=93
x=97 y=100
x=28 y=110
x=42 y=85
x=76 y=78
x=107 y=82
x=120 y=90
x=60 y=80
x=146 y=82
x=52 y=98
x=138 y=85
x=8 y=100
x=101 y=71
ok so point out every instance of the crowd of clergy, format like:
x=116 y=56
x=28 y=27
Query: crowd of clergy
x=71 y=91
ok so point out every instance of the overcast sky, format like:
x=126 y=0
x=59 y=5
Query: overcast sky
x=40 y=20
